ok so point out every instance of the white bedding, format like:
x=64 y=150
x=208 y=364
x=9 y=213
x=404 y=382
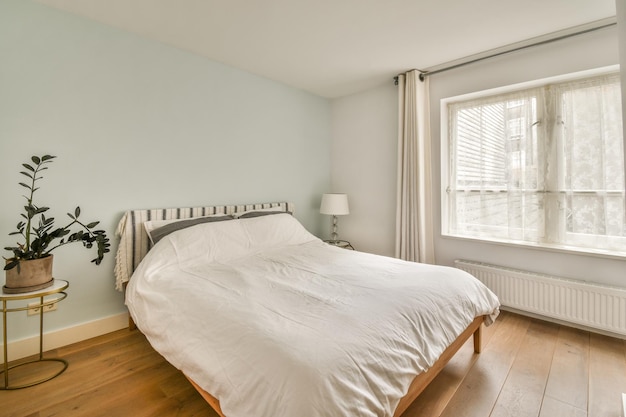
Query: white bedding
x=275 y=323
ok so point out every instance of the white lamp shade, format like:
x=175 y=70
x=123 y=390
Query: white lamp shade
x=335 y=204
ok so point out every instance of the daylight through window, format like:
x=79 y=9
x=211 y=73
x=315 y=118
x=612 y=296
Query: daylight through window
x=541 y=166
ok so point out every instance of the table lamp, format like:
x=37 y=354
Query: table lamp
x=335 y=205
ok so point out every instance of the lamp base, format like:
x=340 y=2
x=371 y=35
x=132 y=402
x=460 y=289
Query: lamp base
x=340 y=243
x=334 y=236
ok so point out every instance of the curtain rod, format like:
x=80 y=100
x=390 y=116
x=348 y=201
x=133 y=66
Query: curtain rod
x=424 y=73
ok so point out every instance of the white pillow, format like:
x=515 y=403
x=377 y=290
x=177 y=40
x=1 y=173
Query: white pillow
x=275 y=230
x=225 y=240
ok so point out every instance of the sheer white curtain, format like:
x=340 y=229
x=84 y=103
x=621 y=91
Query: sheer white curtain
x=497 y=186
x=541 y=166
x=592 y=171
x=414 y=226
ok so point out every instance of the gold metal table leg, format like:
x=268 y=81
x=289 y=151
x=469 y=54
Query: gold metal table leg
x=7 y=368
x=4 y=344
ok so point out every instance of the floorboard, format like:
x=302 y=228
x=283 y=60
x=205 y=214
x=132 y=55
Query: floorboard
x=568 y=382
x=481 y=386
x=607 y=374
x=523 y=390
x=528 y=368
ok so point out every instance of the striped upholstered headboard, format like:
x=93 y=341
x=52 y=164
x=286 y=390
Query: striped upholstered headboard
x=134 y=242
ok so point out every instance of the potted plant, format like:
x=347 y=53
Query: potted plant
x=40 y=237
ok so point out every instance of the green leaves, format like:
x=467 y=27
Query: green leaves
x=32 y=211
x=37 y=160
x=76 y=213
x=40 y=235
x=13 y=262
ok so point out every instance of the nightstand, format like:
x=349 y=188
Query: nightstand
x=340 y=243
x=58 y=290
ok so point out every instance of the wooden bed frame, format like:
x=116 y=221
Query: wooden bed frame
x=134 y=245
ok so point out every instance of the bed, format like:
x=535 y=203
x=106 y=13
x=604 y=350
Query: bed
x=265 y=319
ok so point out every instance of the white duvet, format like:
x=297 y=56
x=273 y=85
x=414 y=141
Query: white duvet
x=275 y=323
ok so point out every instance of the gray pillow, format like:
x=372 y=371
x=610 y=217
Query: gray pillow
x=251 y=214
x=161 y=232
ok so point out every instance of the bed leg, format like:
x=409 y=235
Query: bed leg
x=131 y=322
x=478 y=345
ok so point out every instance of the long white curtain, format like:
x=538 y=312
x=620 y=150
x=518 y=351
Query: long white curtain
x=414 y=225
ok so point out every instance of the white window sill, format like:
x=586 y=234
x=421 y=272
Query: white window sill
x=545 y=247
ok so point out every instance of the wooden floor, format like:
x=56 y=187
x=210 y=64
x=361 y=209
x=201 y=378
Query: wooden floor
x=527 y=368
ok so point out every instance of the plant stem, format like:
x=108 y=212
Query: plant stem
x=30 y=204
x=63 y=242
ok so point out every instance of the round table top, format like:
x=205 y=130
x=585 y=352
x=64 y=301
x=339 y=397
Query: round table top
x=57 y=286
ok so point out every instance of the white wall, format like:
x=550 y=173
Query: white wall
x=137 y=124
x=372 y=108
x=364 y=166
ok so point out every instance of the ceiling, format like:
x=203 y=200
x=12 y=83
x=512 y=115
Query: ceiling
x=334 y=48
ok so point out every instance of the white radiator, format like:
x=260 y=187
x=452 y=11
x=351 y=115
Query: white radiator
x=590 y=305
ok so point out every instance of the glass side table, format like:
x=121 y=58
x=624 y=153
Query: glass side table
x=340 y=243
x=58 y=291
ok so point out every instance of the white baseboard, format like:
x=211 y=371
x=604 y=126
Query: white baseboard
x=58 y=338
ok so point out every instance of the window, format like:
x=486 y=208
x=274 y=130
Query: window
x=541 y=166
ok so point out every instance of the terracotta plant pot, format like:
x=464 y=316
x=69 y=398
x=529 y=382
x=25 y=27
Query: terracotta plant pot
x=33 y=275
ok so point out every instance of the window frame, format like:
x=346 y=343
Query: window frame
x=446 y=174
